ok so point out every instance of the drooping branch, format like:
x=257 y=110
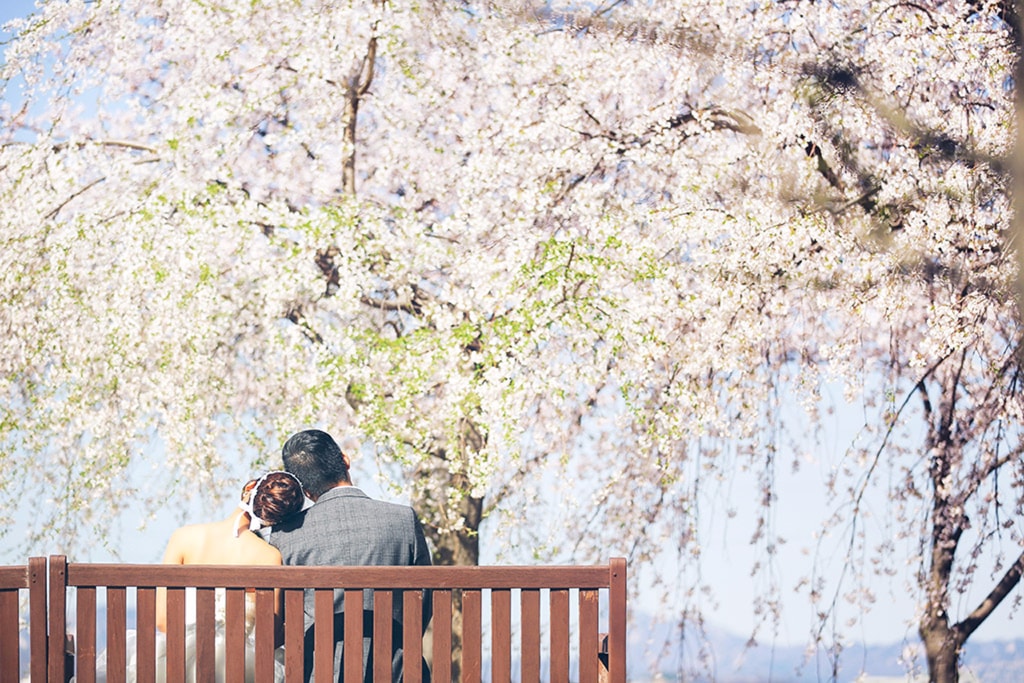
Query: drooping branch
x=920 y=388
x=74 y=195
x=526 y=468
x=717 y=118
x=124 y=144
x=843 y=79
x=1006 y=584
x=980 y=473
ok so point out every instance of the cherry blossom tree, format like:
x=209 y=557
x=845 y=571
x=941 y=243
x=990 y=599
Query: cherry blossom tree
x=525 y=248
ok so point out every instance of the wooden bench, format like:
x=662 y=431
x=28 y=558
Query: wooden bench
x=557 y=623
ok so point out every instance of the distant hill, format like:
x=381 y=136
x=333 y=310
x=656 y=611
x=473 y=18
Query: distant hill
x=654 y=656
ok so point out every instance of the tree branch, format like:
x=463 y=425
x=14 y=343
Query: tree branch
x=125 y=144
x=1010 y=579
x=357 y=88
x=403 y=305
x=919 y=386
x=978 y=475
x=53 y=213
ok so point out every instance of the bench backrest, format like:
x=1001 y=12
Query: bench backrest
x=571 y=617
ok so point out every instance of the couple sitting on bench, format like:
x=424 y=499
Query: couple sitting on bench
x=310 y=514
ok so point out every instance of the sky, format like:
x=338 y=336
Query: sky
x=727 y=553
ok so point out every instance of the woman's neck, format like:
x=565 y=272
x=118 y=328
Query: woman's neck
x=239 y=520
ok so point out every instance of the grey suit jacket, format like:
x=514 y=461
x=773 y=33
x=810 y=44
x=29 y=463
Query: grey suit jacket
x=348 y=528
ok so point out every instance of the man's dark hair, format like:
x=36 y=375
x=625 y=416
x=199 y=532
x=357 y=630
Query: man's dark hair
x=315 y=458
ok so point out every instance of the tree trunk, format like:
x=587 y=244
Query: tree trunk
x=942 y=647
x=941 y=643
x=459 y=547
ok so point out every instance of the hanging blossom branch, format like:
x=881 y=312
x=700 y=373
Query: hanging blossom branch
x=1010 y=580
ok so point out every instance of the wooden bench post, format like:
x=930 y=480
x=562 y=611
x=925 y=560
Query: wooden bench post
x=57 y=660
x=617 y=620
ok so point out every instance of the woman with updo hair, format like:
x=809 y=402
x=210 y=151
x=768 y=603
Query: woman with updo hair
x=265 y=501
x=272 y=498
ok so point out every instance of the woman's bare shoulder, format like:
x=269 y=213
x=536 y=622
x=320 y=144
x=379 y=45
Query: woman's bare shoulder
x=258 y=551
x=184 y=542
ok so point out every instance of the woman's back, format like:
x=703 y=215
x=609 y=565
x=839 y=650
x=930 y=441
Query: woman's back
x=217 y=543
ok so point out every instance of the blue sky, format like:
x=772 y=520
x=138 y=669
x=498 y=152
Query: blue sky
x=14 y=8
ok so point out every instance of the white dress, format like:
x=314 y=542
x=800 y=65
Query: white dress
x=190 y=646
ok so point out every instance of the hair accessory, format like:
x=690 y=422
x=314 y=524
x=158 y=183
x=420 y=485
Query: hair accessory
x=246 y=505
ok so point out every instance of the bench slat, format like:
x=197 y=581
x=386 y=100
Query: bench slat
x=501 y=636
x=234 y=635
x=352 y=659
x=266 y=601
x=323 y=632
x=85 y=655
x=589 y=602
x=529 y=634
x=412 y=635
x=175 y=634
x=472 y=636
x=559 y=635
x=145 y=635
x=12 y=581
x=294 y=631
x=117 y=623
x=9 y=631
x=442 y=650
x=383 y=627
x=205 y=635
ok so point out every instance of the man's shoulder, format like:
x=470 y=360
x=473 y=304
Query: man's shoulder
x=391 y=510
x=350 y=495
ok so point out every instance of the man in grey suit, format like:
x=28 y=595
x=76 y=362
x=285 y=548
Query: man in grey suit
x=346 y=527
